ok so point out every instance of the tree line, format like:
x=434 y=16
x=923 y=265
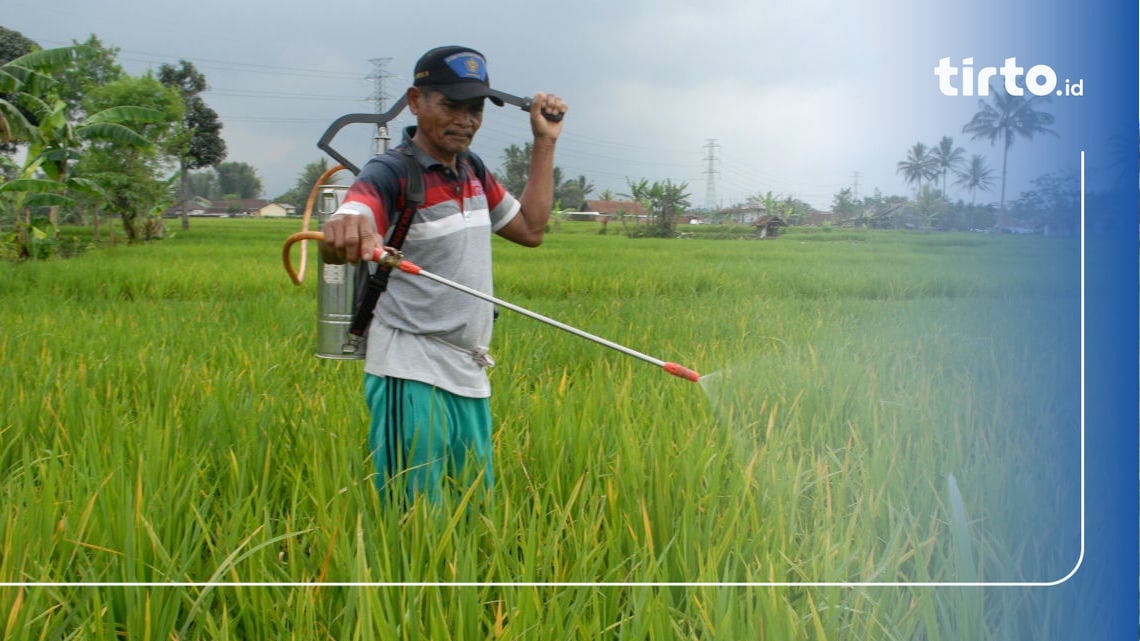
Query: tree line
x=96 y=142
x=1000 y=120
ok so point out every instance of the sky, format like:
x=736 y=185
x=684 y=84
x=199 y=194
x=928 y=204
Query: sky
x=800 y=98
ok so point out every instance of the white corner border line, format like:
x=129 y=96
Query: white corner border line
x=207 y=585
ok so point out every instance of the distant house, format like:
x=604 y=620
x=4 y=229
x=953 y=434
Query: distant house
x=768 y=226
x=607 y=209
x=241 y=207
x=614 y=208
x=1008 y=224
x=255 y=207
x=901 y=215
x=742 y=215
x=274 y=210
x=195 y=206
x=817 y=218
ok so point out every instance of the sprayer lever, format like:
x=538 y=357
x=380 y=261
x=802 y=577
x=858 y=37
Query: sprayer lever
x=387 y=257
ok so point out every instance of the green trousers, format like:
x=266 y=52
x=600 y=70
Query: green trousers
x=424 y=439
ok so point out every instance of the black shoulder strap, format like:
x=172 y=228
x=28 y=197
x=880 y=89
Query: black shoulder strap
x=413 y=197
x=378 y=281
x=480 y=168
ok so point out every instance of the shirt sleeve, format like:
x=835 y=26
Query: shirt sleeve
x=503 y=206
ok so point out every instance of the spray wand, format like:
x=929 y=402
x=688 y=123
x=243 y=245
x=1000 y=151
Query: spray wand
x=394 y=259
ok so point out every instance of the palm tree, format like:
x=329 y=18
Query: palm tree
x=918 y=166
x=574 y=192
x=516 y=166
x=1122 y=150
x=976 y=175
x=946 y=158
x=1006 y=118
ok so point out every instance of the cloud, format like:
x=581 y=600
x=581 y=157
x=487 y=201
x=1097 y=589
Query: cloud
x=799 y=96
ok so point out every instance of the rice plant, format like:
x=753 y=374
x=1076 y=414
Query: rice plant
x=165 y=423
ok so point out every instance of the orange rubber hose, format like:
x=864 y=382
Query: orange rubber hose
x=286 y=256
x=298 y=275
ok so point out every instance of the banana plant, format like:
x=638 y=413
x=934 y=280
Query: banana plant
x=54 y=141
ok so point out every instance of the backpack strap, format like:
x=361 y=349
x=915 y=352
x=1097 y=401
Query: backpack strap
x=480 y=168
x=369 y=294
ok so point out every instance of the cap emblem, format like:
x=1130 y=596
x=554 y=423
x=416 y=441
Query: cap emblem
x=468 y=65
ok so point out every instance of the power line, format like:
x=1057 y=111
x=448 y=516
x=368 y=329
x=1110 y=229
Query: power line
x=249 y=93
x=272 y=119
x=246 y=67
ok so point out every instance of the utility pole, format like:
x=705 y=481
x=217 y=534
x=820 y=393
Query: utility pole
x=710 y=186
x=380 y=98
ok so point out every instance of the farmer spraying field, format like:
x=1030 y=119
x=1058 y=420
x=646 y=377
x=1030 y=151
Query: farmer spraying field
x=425 y=383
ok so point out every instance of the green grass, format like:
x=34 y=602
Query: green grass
x=165 y=421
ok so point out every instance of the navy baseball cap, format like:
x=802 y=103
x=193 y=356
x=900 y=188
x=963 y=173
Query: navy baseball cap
x=460 y=73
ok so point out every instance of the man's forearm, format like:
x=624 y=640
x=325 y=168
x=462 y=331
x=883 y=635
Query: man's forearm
x=538 y=195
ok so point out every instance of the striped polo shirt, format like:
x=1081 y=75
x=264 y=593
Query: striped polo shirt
x=423 y=330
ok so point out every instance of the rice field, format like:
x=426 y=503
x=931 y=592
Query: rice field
x=879 y=410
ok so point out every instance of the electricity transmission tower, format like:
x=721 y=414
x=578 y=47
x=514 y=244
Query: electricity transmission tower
x=380 y=98
x=710 y=186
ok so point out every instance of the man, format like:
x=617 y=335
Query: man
x=425 y=369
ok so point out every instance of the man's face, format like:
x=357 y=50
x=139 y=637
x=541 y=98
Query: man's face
x=446 y=127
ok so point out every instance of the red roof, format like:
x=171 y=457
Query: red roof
x=614 y=207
